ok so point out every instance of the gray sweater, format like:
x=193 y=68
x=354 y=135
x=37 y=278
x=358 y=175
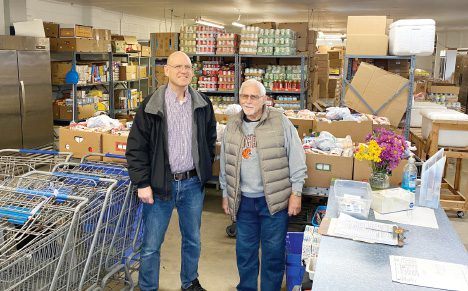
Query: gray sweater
x=251 y=179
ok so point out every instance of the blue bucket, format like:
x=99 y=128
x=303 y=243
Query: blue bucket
x=294 y=275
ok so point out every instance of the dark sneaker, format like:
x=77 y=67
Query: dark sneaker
x=194 y=287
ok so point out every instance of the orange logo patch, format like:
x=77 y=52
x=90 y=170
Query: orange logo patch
x=246 y=153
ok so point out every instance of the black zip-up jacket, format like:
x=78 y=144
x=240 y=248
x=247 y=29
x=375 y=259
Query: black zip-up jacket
x=147 y=154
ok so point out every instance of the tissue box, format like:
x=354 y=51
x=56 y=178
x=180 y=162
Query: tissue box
x=392 y=200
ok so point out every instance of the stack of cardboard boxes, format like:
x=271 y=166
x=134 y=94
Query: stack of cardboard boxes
x=164 y=43
x=122 y=44
x=77 y=38
x=323 y=72
x=367 y=35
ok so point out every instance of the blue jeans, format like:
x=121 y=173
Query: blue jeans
x=187 y=197
x=256 y=226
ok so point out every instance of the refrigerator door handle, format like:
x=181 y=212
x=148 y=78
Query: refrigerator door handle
x=23 y=94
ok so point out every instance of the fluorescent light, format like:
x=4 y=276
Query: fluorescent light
x=238 y=24
x=209 y=23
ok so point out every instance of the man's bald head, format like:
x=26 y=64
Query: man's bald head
x=178 y=56
x=179 y=70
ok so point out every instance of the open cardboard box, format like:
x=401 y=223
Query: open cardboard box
x=376 y=87
x=322 y=169
x=304 y=126
x=341 y=128
x=80 y=142
x=114 y=144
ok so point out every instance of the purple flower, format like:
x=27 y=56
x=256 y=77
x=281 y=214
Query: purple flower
x=393 y=148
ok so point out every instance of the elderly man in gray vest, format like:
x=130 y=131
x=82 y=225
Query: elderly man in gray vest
x=262 y=174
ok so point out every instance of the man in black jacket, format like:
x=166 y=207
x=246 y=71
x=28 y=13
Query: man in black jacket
x=170 y=151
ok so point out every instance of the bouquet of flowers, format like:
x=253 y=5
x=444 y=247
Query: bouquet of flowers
x=385 y=150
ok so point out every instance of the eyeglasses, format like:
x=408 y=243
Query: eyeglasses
x=246 y=97
x=181 y=67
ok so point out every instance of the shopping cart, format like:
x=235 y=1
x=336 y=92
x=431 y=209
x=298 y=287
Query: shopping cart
x=48 y=223
x=15 y=162
x=122 y=222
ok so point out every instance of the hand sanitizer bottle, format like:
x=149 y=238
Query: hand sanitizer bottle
x=410 y=173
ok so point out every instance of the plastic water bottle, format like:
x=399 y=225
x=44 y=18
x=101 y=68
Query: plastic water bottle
x=410 y=173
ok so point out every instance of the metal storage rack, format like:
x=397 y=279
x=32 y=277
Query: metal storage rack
x=238 y=71
x=63 y=56
x=127 y=84
x=347 y=77
x=303 y=90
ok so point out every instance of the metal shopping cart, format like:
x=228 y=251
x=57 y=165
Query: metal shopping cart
x=15 y=162
x=122 y=223
x=48 y=224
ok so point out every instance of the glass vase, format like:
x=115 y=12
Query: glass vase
x=379 y=180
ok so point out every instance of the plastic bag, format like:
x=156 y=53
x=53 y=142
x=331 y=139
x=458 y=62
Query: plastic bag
x=103 y=121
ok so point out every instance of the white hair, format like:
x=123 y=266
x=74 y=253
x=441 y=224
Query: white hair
x=253 y=82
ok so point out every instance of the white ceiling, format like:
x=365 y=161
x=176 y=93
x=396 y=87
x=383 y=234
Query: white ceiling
x=327 y=15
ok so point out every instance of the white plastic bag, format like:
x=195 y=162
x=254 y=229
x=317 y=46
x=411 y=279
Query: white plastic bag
x=233 y=109
x=103 y=121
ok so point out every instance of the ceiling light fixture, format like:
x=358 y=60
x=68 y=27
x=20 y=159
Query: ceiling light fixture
x=209 y=23
x=237 y=22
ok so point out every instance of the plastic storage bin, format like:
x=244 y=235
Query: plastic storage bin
x=412 y=37
x=447 y=138
x=418 y=107
x=294 y=268
x=353 y=198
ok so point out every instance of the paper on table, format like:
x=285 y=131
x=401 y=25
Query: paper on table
x=419 y=216
x=428 y=273
x=362 y=230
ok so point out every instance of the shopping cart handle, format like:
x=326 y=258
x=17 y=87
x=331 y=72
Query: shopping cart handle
x=43 y=152
x=115 y=156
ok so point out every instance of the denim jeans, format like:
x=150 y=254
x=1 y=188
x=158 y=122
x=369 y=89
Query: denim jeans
x=255 y=228
x=187 y=197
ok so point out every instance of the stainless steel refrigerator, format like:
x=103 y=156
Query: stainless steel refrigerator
x=26 y=118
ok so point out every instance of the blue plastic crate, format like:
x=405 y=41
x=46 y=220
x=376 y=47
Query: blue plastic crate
x=314 y=218
x=294 y=268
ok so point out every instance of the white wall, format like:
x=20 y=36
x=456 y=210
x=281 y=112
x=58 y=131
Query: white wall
x=118 y=23
x=2 y=19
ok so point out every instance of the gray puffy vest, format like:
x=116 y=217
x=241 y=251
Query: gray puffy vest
x=272 y=155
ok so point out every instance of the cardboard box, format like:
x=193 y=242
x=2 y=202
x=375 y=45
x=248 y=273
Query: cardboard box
x=322 y=56
x=301 y=44
x=362 y=171
x=128 y=72
x=142 y=72
x=367 y=44
x=322 y=64
x=398 y=65
x=366 y=25
x=78 y=31
x=101 y=34
x=323 y=83
x=304 y=126
x=74 y=45
x=80 y=143
x=131 y=42
x=444 y=89
x=341 y=128
x=118 y=46
x=51 y=29
x=104 y=45
x=265 y=25
x=377 y=86
x=322 y=169
x=216 y=164
x=312 y=49
x=145 y=51
x=84 y=111
x=336 y=63
x=301 y=28
x=332 y=84
x=59 y=71
x=335 y=55
x=312 y=36
x=323 y=73
x=164 y=44
x=114 y=144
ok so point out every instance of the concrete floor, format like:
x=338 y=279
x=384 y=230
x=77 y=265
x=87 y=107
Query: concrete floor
x=217 y=266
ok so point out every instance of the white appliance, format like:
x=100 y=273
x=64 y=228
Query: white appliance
x=412 y=37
